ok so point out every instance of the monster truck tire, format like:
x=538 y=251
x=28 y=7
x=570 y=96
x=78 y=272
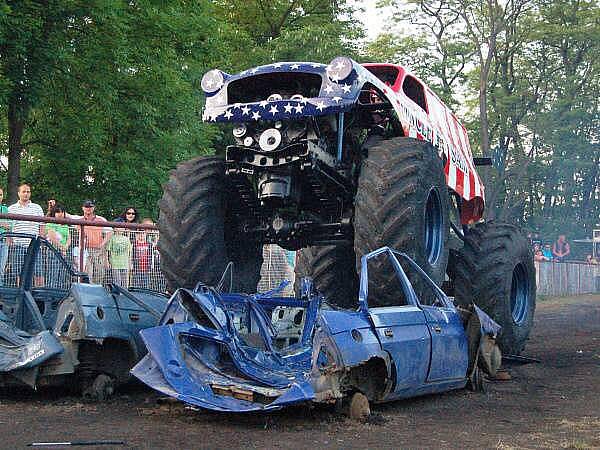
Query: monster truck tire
x=196 y=231
x=402 y=202
x=494 y=269
x=331 y=268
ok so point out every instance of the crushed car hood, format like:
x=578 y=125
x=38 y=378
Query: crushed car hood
x=20 y=350
x=200 y=357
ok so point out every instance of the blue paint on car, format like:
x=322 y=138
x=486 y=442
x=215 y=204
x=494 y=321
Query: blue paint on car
x=46 y=331
x=228 y=352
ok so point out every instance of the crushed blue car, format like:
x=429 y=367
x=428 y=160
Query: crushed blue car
x=58 y=329
x=236 y=352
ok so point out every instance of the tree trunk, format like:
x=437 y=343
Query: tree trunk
x=483 y=111
x=16 y=124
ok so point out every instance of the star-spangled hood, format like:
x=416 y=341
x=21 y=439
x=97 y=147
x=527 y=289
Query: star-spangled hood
x=341 y=83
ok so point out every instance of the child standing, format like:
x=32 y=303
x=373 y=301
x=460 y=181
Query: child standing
x=142 y=251
x=119 y=257
x=58 y=235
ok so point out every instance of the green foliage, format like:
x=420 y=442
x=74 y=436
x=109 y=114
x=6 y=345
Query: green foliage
x=107 y=92
x=283 y=30
x=111 y=102
x=542 y=90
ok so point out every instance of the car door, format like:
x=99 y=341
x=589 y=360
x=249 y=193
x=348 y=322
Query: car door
x=449 y=346
x=52 y=284
x=402 y=329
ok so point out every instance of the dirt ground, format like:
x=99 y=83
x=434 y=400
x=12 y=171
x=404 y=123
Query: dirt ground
x=553 y=404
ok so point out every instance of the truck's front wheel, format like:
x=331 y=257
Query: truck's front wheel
x=402 y=202
x=332 y=269
x=197 y=232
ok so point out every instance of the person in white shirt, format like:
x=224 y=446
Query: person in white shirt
x=26 y=207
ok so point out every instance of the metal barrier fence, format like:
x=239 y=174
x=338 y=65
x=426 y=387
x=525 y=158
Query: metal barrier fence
x=130 y=258
x=113 y=252
x=567 y=278
x=276 y=268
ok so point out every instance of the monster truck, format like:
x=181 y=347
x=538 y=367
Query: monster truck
x=338 y=160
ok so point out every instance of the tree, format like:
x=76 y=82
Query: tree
x=104 y=95
x=429 y=43
x=534 y=89
x=290 y=30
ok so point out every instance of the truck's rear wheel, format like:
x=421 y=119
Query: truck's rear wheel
x=494 y=269
x=196 y=230
x=402 y=202
x=332 y=269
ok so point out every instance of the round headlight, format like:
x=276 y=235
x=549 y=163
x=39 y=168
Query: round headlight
x=339 y=68
x=269 y=139
x=239 y=130
x=212 y=81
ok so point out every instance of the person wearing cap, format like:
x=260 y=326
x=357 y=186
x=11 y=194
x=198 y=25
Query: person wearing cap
x=95 y=239
x=26 y=207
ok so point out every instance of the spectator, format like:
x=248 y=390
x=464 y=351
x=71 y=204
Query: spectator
x=561 y=248
x=539 y=256
x=26 y=207
x=4 y=226
x=95 y=241
x=142 y=260
x=58 y=235
x=119 y=257
x=129 y=215
x=51 y=204
x=591 y=260
x=547 y=252
x=537 y=253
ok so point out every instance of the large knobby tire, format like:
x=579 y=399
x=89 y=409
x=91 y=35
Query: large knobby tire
x=332 y=270
x=402 y=202
x=494 y=269
x=197 y=233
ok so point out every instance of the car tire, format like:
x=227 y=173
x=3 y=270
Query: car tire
x=197 y=231
x=402 y=202
x=494 y=269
